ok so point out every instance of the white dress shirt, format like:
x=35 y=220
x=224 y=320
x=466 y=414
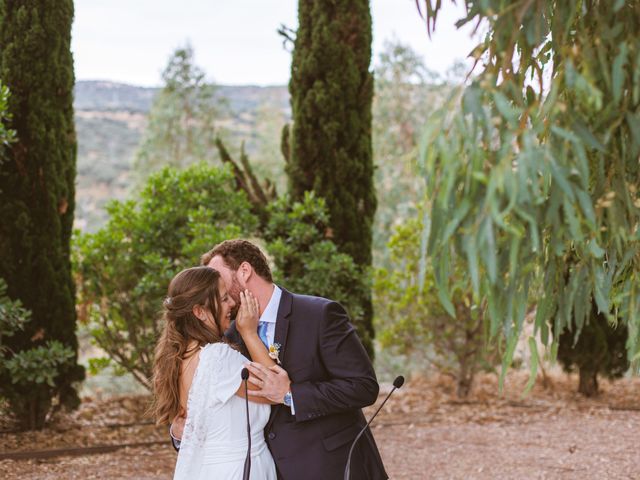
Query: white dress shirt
x=270 y=315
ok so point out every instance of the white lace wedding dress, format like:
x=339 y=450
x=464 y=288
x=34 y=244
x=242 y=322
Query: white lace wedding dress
x=214 y=442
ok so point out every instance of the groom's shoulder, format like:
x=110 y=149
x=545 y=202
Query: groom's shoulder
x=310 y=301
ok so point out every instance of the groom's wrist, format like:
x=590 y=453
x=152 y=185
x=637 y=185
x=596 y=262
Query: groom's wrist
x=288 y=402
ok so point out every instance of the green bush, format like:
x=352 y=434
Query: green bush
x=307 y=261
x=28 y=377
x=599 y=348
x=123 y=270
x=411 y=320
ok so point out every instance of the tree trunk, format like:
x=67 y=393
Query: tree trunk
x=464 y=379
x=588 y=382
x=464 y=387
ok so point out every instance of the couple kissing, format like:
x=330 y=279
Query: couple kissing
x=310 y=376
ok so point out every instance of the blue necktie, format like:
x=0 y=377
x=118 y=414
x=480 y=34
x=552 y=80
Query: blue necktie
x=262 y=333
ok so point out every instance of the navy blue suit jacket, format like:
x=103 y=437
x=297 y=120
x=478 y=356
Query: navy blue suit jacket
x=332 y=379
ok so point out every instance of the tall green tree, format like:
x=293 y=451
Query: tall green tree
x=329 y=145
x=182 y=121
x=533 y=171
x=37 y=182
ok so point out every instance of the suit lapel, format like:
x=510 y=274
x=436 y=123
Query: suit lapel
x=282 y=321
x=280 y=336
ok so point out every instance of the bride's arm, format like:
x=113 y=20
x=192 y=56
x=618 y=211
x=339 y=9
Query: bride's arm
x=247 y=325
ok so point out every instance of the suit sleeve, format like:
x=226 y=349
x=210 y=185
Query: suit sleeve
x=351 y=382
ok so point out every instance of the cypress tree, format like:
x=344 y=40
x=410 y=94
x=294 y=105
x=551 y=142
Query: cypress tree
x=329 y=143
x=37 y=181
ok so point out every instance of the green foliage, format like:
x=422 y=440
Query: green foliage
x=331 y=93
x=123 y=270
x=98 y=364
x=403 y=86
x=330 y=141
x=599 y=350
x=38 y=365
x=28 y=375
x=533 y=170
x=12 y=315
x=307 y=261
x=412 y=321
x=37 y=185
x=182 y=120
x=7 y=135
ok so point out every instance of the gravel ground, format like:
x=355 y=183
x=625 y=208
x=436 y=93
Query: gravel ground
x=424 y=433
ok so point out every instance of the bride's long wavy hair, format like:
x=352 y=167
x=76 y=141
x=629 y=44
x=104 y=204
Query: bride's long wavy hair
x=190 y=287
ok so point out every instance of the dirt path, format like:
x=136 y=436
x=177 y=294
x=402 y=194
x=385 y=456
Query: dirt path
x=553 y=434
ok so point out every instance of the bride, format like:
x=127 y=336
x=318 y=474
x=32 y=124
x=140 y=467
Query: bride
x=197 y=374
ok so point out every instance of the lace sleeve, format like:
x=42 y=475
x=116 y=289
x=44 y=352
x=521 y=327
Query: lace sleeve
x=230 y=365
x=216 y=379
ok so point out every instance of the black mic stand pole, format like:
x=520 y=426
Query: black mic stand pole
x=247 y=462
x=397 y=383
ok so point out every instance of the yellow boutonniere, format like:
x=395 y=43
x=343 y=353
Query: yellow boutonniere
x=274 y=352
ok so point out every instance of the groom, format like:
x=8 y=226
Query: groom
x=325 y=379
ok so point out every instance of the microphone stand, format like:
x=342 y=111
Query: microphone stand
x=247 y=462
x=397 y=383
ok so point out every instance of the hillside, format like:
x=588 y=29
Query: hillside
x=110 y=120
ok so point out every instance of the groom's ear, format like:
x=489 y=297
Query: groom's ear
x=245 y=271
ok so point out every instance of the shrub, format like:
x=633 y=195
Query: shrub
x=123 y=270
x=598 y=349
x=412 y=321
x=307 y=261
x=28 y=376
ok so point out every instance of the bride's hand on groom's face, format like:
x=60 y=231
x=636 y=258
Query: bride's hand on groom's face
x=273 y=383
x=247 y=317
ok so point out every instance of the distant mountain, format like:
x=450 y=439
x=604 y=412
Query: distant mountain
x=111 y=96
x=105 y=96
x=110 y=121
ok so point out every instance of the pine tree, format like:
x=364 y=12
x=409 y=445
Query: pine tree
x=37 y=182
x=182 y=122
x=330 y=141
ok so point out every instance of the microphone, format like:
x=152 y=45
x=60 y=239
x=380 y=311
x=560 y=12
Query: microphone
x=397 y=383
x=247 y=462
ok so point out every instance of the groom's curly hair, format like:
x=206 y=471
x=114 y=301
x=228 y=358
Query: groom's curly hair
x=236 y=251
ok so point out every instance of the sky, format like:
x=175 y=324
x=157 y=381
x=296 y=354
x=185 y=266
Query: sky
x=235 y=41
